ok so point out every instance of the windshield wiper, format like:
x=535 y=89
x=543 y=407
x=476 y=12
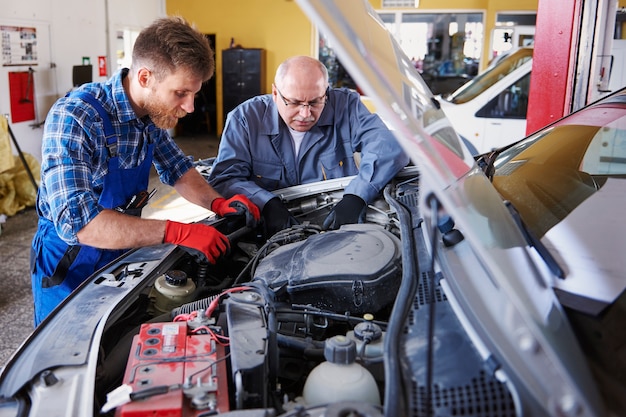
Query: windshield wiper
x=486 y=162
x=535 y=242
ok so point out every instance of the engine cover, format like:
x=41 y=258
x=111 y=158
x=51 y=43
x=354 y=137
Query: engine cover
x=165 y=355
x=355 y=269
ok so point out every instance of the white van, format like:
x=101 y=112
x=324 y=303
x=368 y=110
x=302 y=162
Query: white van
x=490 y=110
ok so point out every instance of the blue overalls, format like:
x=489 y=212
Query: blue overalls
x=58 y=268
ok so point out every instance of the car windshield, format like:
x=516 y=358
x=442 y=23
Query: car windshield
x=548 y=175
x=489 y=77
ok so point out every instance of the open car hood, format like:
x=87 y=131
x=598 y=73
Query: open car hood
x=501 y=286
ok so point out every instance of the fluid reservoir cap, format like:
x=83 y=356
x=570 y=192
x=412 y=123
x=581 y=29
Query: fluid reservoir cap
x=176 y=277
x=368 y=330
x=340 y=350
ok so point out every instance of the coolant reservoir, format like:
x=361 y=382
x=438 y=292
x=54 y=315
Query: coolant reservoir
x=172 y=289
x=340 y=378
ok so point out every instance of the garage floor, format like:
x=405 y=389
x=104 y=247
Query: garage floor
x=16 y=311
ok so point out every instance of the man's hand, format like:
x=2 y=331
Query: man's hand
x=350 y=209
x=206 y=239
x=276 y=217
x=237 y=205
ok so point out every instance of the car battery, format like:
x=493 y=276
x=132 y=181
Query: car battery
x=175 y=373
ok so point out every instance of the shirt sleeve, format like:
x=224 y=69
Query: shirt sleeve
x=232 y=170
x=382 y=157
x=71 y=161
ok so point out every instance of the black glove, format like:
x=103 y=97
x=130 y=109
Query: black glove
x=351 y=209
x=276 y=217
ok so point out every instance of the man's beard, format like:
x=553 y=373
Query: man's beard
x=162 y=116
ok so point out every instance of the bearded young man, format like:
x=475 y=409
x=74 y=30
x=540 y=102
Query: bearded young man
x=98 y=146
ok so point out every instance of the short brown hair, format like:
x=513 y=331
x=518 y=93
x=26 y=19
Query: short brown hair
x=170 y=43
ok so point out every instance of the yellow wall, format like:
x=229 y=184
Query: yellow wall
x=278 y=26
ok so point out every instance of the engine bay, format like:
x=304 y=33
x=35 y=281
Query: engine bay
x=250 y=332
x=307 y=322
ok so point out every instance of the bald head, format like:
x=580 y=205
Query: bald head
x=301 y=70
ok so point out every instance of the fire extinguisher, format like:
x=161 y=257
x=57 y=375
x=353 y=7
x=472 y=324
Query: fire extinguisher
x=102 y=66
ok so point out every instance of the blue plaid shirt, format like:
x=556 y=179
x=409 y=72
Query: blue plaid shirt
x=74 y=155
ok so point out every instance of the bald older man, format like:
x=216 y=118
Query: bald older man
x=305 y=131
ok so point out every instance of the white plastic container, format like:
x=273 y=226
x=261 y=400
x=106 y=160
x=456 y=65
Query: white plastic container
x=171 y=290
x=340 y=378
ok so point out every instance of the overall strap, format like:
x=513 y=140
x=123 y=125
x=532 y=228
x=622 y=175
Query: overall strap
x=109 y=133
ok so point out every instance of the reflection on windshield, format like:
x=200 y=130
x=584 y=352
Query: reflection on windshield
x=548 y=175
x=489 y=77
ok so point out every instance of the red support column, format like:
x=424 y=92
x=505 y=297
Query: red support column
x=554 y=57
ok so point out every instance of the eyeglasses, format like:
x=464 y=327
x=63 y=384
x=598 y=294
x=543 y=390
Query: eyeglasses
x=315 y=104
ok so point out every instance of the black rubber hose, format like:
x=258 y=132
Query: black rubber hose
x=401 y=307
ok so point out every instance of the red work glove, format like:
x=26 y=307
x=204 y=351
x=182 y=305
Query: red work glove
x=206 y=239
x=237 y=205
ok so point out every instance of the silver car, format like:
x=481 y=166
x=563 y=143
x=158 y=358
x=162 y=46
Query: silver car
x=475 y=287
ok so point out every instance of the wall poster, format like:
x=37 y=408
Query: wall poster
x=19 y=45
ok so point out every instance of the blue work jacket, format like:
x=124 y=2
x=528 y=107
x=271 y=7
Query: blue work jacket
x=256 y=153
